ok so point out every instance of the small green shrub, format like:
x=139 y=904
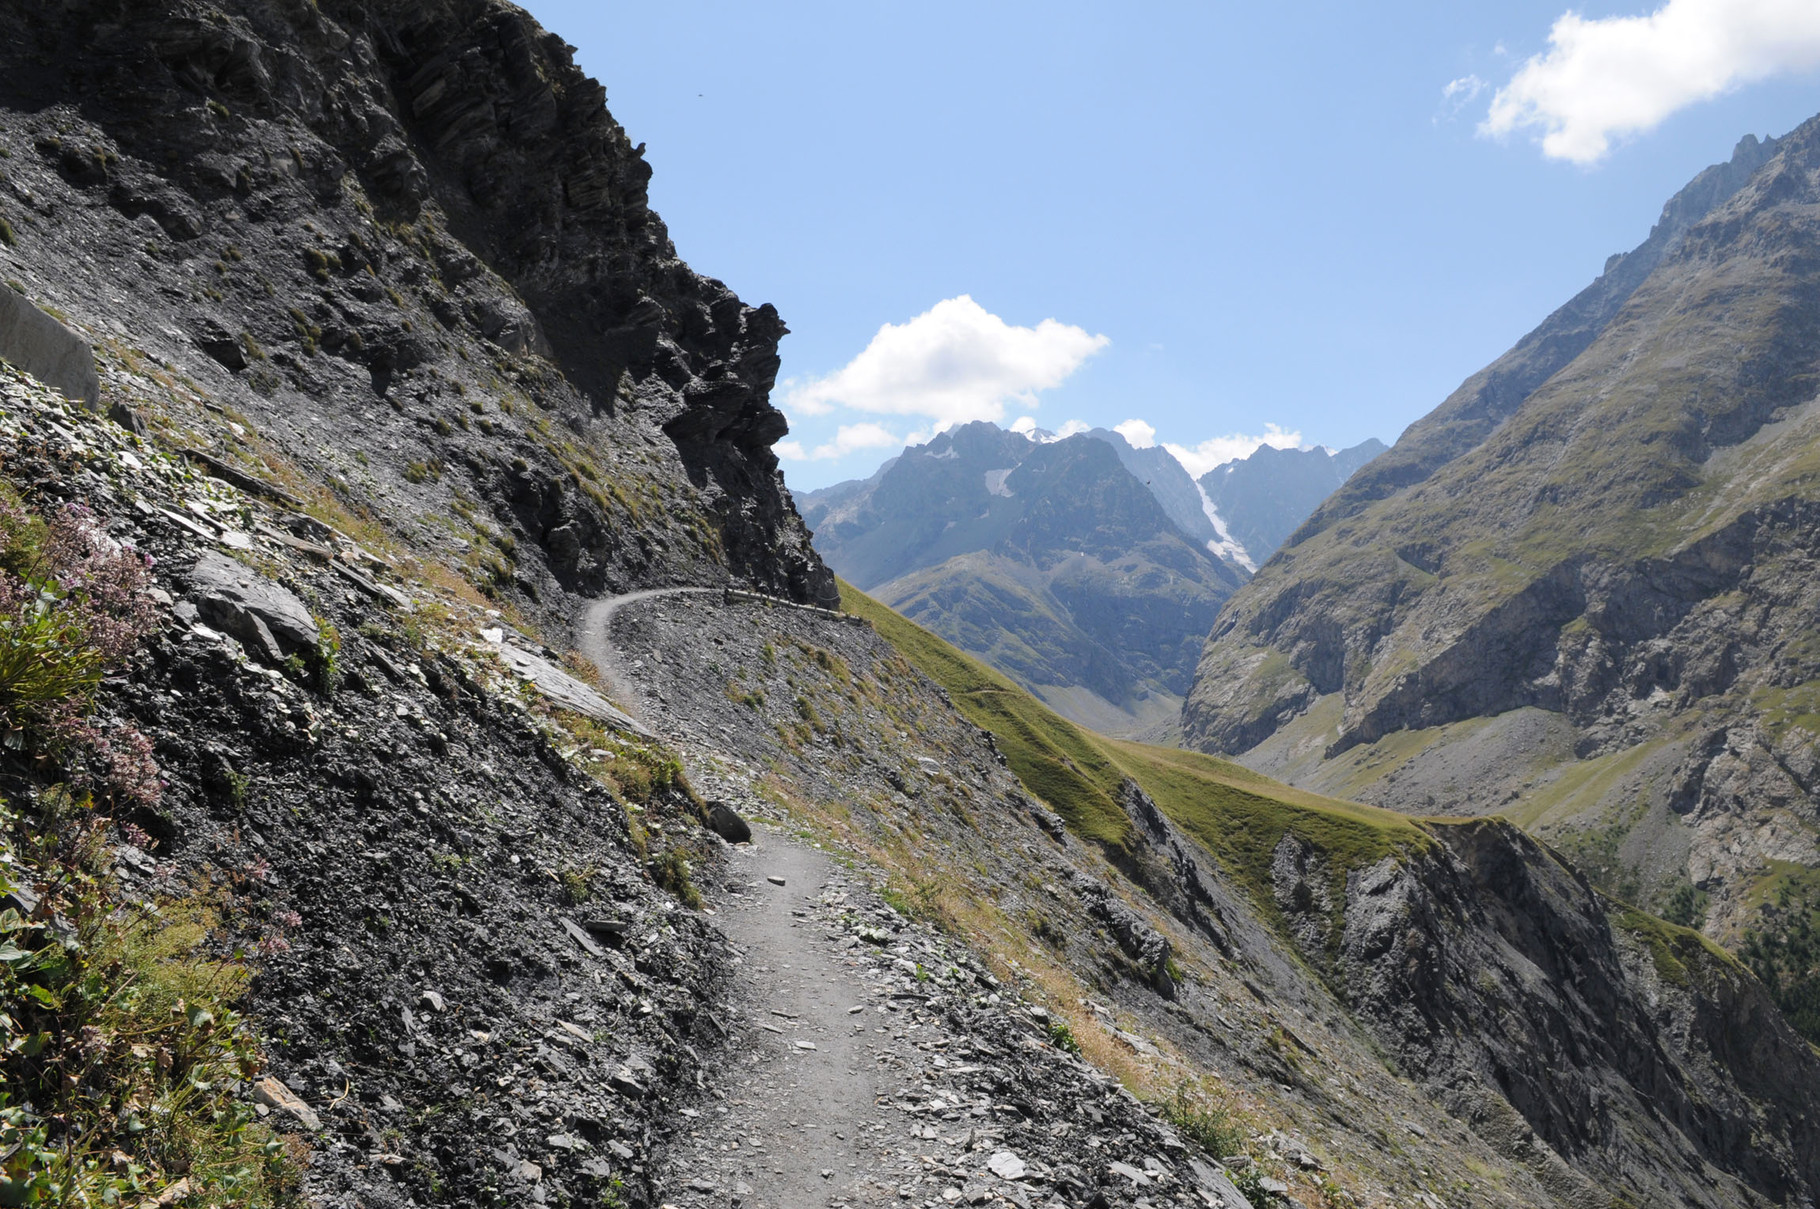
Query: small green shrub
x=1062 y=1037
x=577 y=885
x=72 y=605
x=1249 y=1181
x=670 y=870
x=238 y=785
x=1204 y=1117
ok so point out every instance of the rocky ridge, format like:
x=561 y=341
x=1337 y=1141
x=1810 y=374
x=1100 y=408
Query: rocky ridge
x=413 y=230
x=1265 y=497
x=1575 y=593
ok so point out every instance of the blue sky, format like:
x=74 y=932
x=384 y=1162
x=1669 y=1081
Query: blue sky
x=1238 y=219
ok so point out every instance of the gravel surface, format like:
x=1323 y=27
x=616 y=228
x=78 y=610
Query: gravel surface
x=870 y=1062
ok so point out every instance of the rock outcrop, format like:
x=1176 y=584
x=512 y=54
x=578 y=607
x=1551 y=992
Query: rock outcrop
x=45 y=349
x=407 y=242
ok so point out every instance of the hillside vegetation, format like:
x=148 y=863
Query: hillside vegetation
x=1238 y=814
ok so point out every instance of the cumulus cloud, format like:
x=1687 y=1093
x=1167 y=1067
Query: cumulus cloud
x=1612 y=77
x=1138 y=433
x=849 y=438
x=1199 y=459
x=954 y=363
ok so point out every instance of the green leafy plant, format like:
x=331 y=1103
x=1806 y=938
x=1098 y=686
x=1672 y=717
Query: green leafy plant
x=671 y=871
x=1062 y=1037
x=73 y=603
x=119 y=1049
x=577 y=885
x=1203 y=1114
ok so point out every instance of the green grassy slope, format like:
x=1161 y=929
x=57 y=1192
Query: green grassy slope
x=1239 y=815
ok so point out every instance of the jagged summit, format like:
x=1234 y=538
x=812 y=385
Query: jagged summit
x=1049 y=558
x=1265 y=497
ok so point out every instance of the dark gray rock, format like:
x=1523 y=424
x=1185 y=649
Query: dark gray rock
x=47 y=350
x=266 y=617
x=726 y=823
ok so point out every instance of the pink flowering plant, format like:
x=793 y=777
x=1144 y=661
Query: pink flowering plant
x=73 y=606
x=120 y=1051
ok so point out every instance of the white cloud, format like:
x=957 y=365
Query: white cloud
x=849 y=438
x=1138 y=433
x=954 y=363
x=1462 y=92
x=1025 y=426
x=1199 y=459
x=1618 y=76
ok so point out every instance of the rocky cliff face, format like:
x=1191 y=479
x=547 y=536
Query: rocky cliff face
x=1576 y=592
x=410 y=245
x=1488 y=926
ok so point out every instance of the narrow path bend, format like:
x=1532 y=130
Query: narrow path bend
x=869 y=1059
x=799 y=1089
x=594 y=638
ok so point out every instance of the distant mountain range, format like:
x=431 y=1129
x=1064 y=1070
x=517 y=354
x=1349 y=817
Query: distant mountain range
x=1088 y=569
x=1264 y=498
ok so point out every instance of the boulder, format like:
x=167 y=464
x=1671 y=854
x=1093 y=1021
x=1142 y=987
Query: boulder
x=725 y=822
x=47 y=350
x=266 y=617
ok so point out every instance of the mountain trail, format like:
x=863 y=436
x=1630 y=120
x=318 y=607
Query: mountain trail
x=798 y=1122
x=867 y=1059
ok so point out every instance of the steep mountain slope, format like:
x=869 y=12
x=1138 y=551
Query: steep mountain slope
x=1581 y=591
x=1047 y=558
x=1619 y=1037
x=1487 y=399
x=338 y=789
x=1267 y=495
x=414 y=249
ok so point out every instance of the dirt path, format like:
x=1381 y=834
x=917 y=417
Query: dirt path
x=799 y=1120
x=869 y=1060
x=593 y=637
